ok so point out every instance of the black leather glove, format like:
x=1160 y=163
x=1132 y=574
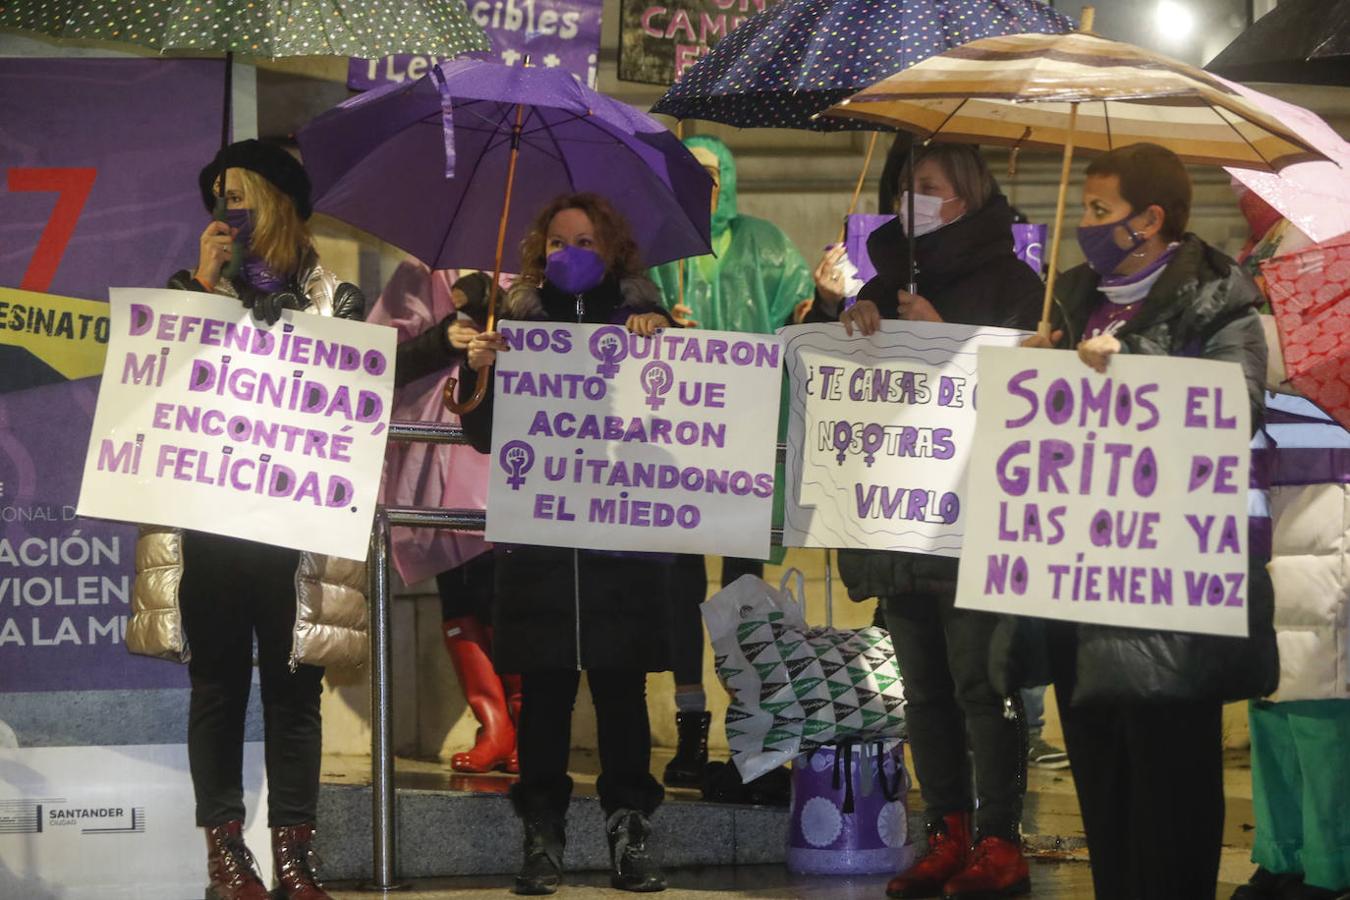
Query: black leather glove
x=349 y=302
x=267 y=307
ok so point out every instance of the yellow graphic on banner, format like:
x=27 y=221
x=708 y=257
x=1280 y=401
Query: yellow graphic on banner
x=66 y=333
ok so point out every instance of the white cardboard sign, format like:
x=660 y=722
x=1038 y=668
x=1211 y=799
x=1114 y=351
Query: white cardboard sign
x=607 y=440
x=880 y=434
x=1116 y=499
x=210 y=420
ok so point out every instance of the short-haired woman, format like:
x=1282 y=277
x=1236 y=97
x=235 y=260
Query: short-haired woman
x=1143 y=710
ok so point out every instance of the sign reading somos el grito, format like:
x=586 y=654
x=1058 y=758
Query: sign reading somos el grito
x=210 y=420
x=607 y=440
x=1116 y=499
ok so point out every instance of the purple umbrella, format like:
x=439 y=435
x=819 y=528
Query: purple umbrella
x=427 y=166
x=382 y=162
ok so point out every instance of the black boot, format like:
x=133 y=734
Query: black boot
x=631 y=865
x=544 y=819
x=691 y=755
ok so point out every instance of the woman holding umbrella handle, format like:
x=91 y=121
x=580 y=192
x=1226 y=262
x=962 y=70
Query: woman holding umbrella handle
x=969 y=274
x=558 y=611
x=1143 y=710
x=212 y=594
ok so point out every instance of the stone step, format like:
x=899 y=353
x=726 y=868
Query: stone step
x=474 y=832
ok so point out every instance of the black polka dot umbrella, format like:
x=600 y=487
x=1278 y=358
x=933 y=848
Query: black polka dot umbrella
x=785 y=65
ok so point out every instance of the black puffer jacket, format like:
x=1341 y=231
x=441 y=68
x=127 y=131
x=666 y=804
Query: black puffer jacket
x=968 y=271
x=1203 y=305
x=557 y=608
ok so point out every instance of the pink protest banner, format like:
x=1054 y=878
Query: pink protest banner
x=210 y=420
x=1115 y=499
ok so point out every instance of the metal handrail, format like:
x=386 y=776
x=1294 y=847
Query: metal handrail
x=383 y=797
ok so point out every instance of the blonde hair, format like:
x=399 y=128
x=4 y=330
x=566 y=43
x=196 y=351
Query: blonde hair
x=280 y=236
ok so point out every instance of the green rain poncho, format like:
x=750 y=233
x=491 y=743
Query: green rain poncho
x=756 y=276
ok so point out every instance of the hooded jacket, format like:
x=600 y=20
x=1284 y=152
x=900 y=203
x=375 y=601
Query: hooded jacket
x=330 y=593
x=757 y=278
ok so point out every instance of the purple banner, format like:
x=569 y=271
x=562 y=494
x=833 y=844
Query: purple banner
x=65 y=582
x=552 y=33
x=98 y=187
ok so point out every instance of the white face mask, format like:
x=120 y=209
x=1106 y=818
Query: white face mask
x=927 y=212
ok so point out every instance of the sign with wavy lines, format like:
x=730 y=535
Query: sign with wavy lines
x=880 y=433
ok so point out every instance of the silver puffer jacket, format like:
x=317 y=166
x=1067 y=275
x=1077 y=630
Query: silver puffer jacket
x=330 y=593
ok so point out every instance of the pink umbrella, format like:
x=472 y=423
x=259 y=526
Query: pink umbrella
x=1315 y=196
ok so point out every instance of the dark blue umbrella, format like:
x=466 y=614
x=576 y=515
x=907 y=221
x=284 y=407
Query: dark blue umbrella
x=784 y=65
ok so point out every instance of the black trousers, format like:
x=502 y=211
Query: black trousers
x=688 y=589
x=955 y=716
x=233 y=591
x=545 y=737
x=467 y=590
x=1149 y=778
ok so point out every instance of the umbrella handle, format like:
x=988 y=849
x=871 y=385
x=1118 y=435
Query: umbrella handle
x=468 y=406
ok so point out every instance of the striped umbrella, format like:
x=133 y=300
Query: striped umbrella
x=1057 y=91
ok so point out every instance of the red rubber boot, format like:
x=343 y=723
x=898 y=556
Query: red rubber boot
x=948 y=850
x=469 y=644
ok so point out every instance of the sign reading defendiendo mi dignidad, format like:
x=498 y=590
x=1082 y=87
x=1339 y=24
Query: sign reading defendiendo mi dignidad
x=1116 y=498
x=210 y=420
x=607 y=440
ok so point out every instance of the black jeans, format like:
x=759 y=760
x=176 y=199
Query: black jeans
x=688 y=590
x=954 y=714
x=467 y=590
x=231 y=591
x=1149 y=778
x=545 y=737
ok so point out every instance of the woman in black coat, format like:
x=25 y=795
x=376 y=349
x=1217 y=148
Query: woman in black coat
x=966 y=273
x=560 y=611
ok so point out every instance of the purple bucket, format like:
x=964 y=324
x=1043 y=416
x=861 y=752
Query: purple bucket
x=848 y=811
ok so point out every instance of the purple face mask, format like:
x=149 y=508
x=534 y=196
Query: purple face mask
x=574 y=270
x=255 y=270
x=1099 y=245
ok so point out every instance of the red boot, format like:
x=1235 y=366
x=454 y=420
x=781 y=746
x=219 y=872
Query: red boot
x=513 y=700
x=996 y=868
x=230 y=865
x=294 y=860
x=948 y=848
x=469 y=643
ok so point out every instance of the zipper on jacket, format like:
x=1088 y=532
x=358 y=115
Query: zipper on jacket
x=576 y=599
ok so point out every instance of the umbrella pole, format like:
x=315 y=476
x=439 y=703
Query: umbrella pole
x=909 y=222
x=679 y=263
x=857 y=188
x=228 y=108
x=1043 y=329
x=480 y=389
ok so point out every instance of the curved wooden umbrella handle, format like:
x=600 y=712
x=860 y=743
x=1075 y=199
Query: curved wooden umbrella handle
x=479 y=392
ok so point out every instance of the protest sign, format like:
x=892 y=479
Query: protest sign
x=212 y=421
x=549 y=33
x=658 y=41
x=607 y=440
x=1116 y=499
x=880 y=431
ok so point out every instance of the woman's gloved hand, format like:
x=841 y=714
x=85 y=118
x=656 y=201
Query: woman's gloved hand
x=267 y=307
